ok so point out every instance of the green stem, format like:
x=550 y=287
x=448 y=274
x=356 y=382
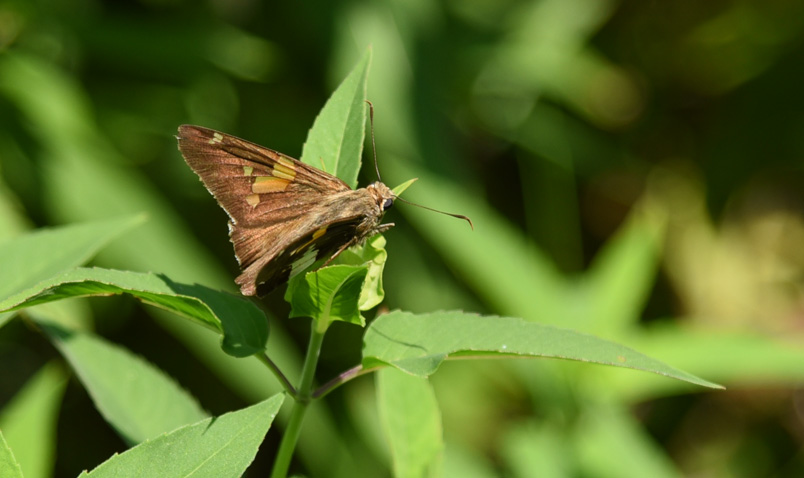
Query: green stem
x=278 y=374
x=350 y=374
x=302 y=401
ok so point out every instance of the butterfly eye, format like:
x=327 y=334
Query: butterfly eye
x=387 y=204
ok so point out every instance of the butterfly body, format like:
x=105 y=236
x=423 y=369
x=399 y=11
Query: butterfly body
x=284 y=214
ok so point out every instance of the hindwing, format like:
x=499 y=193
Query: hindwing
x=272 y=264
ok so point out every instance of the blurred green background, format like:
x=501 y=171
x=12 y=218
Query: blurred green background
x=633 y=169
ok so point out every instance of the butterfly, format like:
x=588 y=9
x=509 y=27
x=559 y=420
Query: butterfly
x=284 y=214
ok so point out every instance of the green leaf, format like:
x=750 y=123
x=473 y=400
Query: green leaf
x=34 y=257
x=622 y=274
x=327 y=294
x=86 y=178
x=138 y=399
x=402 y=187
x=307 y=301
x=418 y=344
x=412 y=423
x=335 y=141
x=29 y=421
x=243 y=325
x=13 y=220
x=76 y=155
x=30 y=258
x=728 y=357
x=219 y=446
x=8 y=464
x=373 y=255
x=335 y=144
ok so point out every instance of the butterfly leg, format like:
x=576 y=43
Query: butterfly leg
x=338 y=252
x=381 y=228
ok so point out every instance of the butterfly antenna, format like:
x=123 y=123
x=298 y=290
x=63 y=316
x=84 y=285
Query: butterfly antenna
x=457 y=216
x=373 y=142
x=397 y=198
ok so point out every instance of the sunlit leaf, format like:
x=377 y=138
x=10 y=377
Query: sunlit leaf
x=402 y=187
x=335 y=141
x=218 y=446
x=418 y=344
x=373 y=255
x=328 y=294
x=412 y=423
x=137 y=398
x=243 y=325
x=29 y=421
x=8 y=464
x=38 y=255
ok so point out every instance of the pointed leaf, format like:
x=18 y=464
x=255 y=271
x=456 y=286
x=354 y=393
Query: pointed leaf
x=335 y=141
x=29 y=421
x=222 y=446
x=134 y=396
x=402 y=187
x=8 y=464
x=412 y=423
x=36 y=256
x=418 y=344
x=244 y=327
x=622 y=275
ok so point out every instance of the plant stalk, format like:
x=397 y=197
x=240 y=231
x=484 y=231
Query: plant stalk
x=344 y=377
x=302 y=400
x=277 y=373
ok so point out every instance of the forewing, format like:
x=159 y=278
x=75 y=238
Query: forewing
x=256 y=186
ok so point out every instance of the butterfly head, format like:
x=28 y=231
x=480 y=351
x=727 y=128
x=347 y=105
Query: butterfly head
x=382 y=194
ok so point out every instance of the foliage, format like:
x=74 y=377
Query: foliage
x=592 y=144
x=141 y=403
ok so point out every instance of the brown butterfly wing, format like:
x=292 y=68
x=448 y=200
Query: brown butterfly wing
x=271 y=270
x=255 y=185
x=280 y=208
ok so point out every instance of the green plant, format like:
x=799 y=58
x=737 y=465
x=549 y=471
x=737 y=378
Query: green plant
x=631 y=168
x=169 y=432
